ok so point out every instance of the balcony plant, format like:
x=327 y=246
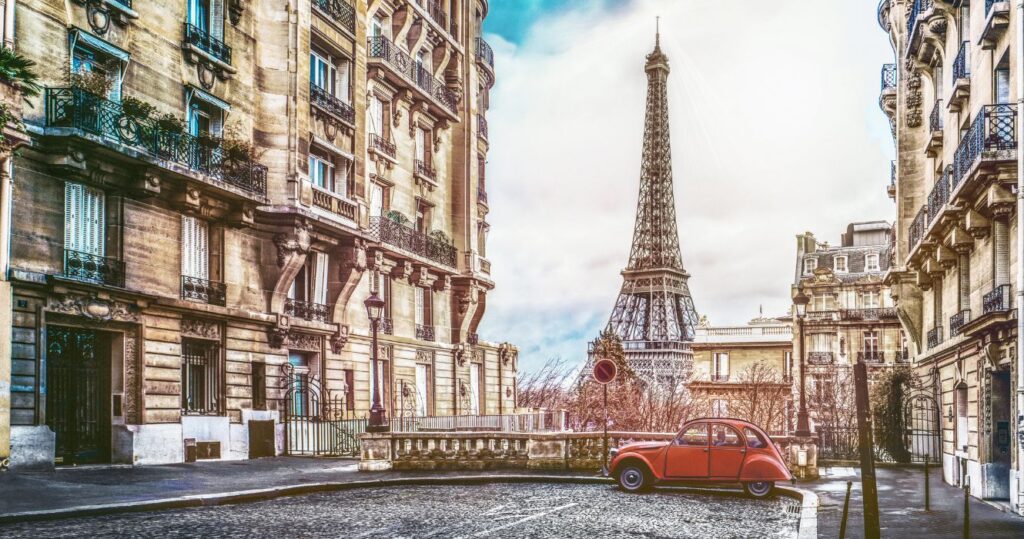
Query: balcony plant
x=440 y=237
x=136 y=108
x=397 y=217
x=92 y=82
x=170 y=124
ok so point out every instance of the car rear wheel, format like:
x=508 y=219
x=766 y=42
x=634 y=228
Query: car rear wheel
x=759 y=489
x=633 y=478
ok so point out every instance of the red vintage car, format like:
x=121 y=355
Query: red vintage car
x=706 y=451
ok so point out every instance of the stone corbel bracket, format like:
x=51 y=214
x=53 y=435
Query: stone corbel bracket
x=235 y=10
x=422 y=277
x=100 y=13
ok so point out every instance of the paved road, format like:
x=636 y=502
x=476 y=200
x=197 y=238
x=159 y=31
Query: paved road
x=496 y=510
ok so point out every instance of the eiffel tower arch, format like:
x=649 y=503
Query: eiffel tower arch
x=654 y=313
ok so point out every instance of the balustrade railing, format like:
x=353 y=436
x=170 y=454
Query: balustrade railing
x=339 y=10
x=382 y=145
x=323 y=99
x=196 y=289
x=333 y=203
x=554 y=421
x=822 y=316
x=918 y=226
x=957 y=321
x=997 y=300
x=205 y=42
x=425 y=170
x=399 y=235
x=871 y=356
x=78 y=109
x=993 y=129
x=380 y=47
x=484 y=52
x=820 y=358
x=934 y=337
x=888 y=76
x=961 y=65
x=425 y=333
x=92 y=268
x=307 y=310
x=873 y=313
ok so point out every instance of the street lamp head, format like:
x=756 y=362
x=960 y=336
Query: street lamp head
x=374 y=306
x=800 y=300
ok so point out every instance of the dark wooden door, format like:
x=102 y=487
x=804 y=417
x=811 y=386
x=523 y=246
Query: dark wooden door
x=78 y=394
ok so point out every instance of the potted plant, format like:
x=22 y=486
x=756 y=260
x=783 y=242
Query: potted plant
x=97 y=84
x=440 y=237
x=397 y=217
x=136 y=108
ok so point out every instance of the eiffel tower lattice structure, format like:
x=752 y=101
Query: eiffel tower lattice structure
x=654 y=313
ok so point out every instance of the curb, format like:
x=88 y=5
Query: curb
x=808 y=515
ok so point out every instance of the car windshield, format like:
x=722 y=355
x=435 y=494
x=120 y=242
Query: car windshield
x=725 y=436
x=693 y=435
x=754 y=439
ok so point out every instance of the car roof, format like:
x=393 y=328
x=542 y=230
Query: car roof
x=735 y=422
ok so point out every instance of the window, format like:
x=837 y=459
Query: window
x=384 y=293
x=195 y=248
x=378 y=28
x=961 y=418
x=378 y=124
x=259 y=386
x=474 y=388
x=422 y=389
x=208 y=16
x=423 y=217
x=871 y=344
x=201 y=377
x=1002 y=86
x=787 y=365
x=321 y=172
x=350 y=390
x=84 y=219
x=810 y=264
x=719 y=408
x=322 y=72
x=377 y=196
x=821 y=342
x=724 y=436
x=694 y=435
x=870 y=299
x=92 y=55
x=754 y=438
x=423 y=146
x=839 y=264
x=871 y=262
x=310 y=284
x=482 y=230
x=721 y=366
x=422 y=300
x=821 y=302
x=205 y=119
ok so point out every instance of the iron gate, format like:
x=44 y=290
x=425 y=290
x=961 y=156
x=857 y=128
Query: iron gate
x=76 y=390
x=315 y=423
x=922 y=428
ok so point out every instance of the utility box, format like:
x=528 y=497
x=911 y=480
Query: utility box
x=190 y=450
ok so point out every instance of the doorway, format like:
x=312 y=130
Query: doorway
x=78 y=394
x=997 y=470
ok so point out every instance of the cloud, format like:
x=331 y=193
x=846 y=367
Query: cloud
x=775 y=130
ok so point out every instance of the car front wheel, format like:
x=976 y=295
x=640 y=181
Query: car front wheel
x=633 y=478
x=759 y=489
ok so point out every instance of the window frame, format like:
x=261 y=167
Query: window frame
x=209 y=377
x=846 y=264
x=877 y=266
x=810 y=264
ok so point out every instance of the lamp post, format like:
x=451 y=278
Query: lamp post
x=800 y=300
x=374 y=307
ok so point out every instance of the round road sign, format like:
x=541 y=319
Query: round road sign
x=605 y=371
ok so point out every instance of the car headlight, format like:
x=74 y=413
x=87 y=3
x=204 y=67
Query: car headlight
x=614 y=451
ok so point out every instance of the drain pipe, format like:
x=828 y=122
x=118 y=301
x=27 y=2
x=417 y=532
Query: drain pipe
x=1019 y=43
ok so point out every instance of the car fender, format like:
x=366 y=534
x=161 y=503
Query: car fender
x=760 y=467
x=622 y=459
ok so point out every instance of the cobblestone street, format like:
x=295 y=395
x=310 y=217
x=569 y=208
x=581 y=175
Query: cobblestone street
x=520 y=510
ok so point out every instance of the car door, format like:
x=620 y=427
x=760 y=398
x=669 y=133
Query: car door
x=687 y=457
x=727 y=452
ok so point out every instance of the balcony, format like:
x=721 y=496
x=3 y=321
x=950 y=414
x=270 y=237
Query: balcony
x=997 y=20
x=403 y=237
x=887 y=98
x=485 y=266
x=382 y=146
x=888 y=77
x=820 y=358
x=926 y=29
x=203 y=291
x=958 y=321
x=314 y=312
x=323 y=100
x=822 y=316
x=961 y=78
x=934 y=337
x=333 y=203
x=935 y=125
x=93 y=269
x=425 y=333
x=891 y=190
x=339 y=12
x=481 y=196
x=871 y=356
x=72 y=111
x=407 y=71
x=424 y=171
x=387 y=326
x=481 y=126
x=872 y=313
x=991 y=140
x=719 y=377
x=436 y=12
x=996 y=301
x=197 y=38
x=939 y=195
x=902 y=356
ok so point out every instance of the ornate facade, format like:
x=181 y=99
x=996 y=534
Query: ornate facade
x=952 y=99
x=210 y=191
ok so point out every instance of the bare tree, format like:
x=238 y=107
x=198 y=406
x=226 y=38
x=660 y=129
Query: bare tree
x=761 y=398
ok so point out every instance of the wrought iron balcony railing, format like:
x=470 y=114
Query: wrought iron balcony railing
x=94 y=269
x=383 y=146
x=425 y=170
x=871 y=356
x=935 y=337
x=481 y=126
x=306 y=310
x=919 y=6
x=997 y=300
x=382 y=48
x=918 y=226
x=203 y=41
x=202 y=290
x=902 y=356
x=435 y=11
x=994 y=129
x=77 y=109
x=719 y=377
x=888 y=77
x=961 y=66
x=820 y=358
x=339 y=10
x=871 y=313
x=892 y=173
x=324 y=100
x=988 y=6
x=425 y=333
x=481 y=196
x=484 y=52
x=387 y=326
x=935 y=118
x=472 y=338
x=939 y=195
x=957 y=321
x=418 y=243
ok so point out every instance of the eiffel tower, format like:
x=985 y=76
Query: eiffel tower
x=654 y=314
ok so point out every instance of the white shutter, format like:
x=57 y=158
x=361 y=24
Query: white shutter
x=725 y=364
x=376 y=200
x=343 y=91
x=84 y=222
x=420 y=137
x=376 y=116
x=320 y=276
x=73 y=236
x=195 y=248
x=474 y=389
x=421 y=390
x=217 y=19
x=217 y=123
x=419 y=305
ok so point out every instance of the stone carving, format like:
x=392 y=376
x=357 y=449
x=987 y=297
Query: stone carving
x=283 y=338
x=94 y=308
x=203 y=329
x=443 y=284
x=402 y=271
x=468 y=297
x=339 y=339
x=478 y=355
x=235 y=10
x=130 y=401
x=459 y=353
x=425 y=356
x=359 y=250
x=296 y=242
x=914 y=99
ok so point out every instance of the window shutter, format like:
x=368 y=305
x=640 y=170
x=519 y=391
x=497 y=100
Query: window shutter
x=217 y=19
x=376 y=200
x=420 y=144
x=73 y=236
x=474 y=389
x=419 y=306
x=421 y=390
x=186 y=246
x=217 y=123
x=84 y=222
x=725 y=364
x=320 y=276
x=343 y=90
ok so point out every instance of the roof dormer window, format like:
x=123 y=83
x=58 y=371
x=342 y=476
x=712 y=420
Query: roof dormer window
x=839 y=264
x=810 y=264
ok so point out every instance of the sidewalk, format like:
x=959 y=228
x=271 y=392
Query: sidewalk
x=901 y=506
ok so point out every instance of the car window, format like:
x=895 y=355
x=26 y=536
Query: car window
x=754 y=438
x=725 y=436
x=694 y=435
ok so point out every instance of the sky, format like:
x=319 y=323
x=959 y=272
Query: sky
x=775 y=130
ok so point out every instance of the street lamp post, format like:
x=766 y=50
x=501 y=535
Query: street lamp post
x=374 y=306
x=803 y=428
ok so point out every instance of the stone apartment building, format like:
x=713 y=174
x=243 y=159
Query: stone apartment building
x=736 y=366
x=951 y=96
x=850 y=318
x=211 y=190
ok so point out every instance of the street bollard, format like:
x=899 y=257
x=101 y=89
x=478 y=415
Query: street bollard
x=967 y=509
x=846 y=511
x=927 y=492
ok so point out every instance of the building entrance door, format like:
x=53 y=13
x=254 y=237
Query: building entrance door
x=78 y=394
x=997 y=470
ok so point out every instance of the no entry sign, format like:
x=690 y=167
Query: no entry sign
x=605 y=371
